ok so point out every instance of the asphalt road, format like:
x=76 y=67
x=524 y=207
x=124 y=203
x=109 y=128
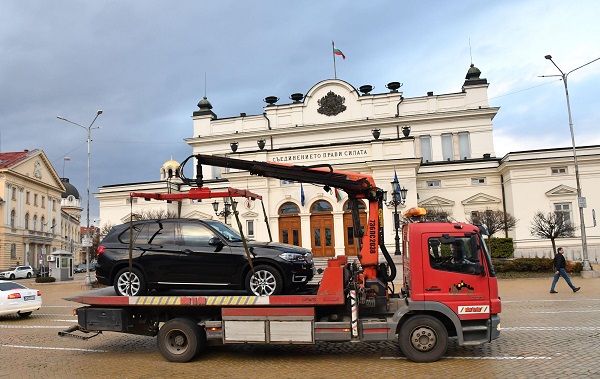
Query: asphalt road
x=544 y=335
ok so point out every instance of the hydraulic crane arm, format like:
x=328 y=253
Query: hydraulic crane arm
x=354 y=184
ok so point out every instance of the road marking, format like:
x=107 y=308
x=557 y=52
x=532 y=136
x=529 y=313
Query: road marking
x=53 y=348
x=486 y=358
x=547 y=301
x=595 y=310
x=33 y=327
x=552 y=328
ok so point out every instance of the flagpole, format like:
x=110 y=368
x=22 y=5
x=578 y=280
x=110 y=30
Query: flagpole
x=333 y=53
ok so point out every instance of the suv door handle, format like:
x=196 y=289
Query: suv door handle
x=433 y=289
x=188 y=251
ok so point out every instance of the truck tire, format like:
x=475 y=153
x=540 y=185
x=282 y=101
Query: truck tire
x=130 y=284
x=180 y=340
x=265 y=281
x=423 y=338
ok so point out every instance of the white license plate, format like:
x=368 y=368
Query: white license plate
x=32 y=297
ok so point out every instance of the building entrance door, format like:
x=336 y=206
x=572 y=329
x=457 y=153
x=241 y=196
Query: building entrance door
x=289 y=224
x=321 y=229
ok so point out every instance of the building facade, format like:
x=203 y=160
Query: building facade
x=440 y=147
x=33 y=222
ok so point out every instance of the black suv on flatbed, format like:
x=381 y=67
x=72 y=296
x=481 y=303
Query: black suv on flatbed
x=197 y=254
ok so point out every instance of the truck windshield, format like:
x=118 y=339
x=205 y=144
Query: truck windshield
x=456 y=253
x=486 y=254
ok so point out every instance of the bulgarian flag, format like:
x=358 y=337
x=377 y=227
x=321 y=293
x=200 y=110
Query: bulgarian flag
x=339 y=52
x=338 y=196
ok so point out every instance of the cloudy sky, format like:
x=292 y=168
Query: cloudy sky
x=144 y=64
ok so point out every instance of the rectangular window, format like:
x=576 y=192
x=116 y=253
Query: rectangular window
x=27 y=197
x=14 y=193
x=317 y=237
x=285 y=236
x=425 y=148
x=35 y=197
x=250 y=228
x=464 y=145
x=43 y=201
x=295 y=237
x=284 y=182
x=131 y=200
x=216 y=172
x=477 y=181
x=13 y=250
x=434 y=183
x=565 y=210
x=447 y=147
x=559 y=170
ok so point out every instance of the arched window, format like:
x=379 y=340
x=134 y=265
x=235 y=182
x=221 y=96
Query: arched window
x=42 y=223
x=321 y=206
x=361 y=206
x=27 y=221
x=53 y=225
x=12 y=218
x=35 y=222
x=289 y=209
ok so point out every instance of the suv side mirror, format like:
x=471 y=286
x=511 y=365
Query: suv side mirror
x=214 y=241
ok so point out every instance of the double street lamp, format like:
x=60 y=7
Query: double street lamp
x=580 y=200
x=227 y=208
x=88 y=240
x=398 y=198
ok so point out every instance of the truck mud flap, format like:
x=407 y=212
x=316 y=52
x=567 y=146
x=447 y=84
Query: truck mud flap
x=76 y=328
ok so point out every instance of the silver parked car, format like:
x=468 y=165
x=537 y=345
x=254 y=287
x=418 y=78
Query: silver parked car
x=17 y=272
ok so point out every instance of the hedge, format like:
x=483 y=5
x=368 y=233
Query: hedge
x=45 y=279
x=531 y=265
x=500 y=247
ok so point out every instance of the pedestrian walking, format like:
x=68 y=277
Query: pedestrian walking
x=560 y=264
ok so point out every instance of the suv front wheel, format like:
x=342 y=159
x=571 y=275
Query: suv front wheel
x=264 y=281
x=130 y=283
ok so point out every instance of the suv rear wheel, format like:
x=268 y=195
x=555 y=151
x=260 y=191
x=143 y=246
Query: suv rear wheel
x=130 y=283
x=265 y=281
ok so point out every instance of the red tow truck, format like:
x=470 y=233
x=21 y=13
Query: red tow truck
x=449 y=288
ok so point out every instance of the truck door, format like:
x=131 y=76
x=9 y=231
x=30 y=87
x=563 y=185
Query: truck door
x=454 y=274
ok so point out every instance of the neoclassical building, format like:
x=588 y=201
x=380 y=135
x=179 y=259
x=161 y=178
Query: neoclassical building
x=440 y=146
x=38 y=212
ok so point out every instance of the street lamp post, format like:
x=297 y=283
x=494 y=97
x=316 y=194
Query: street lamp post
x=580 y=199
x=398 y=198
x=88 y=279
x=226 y=211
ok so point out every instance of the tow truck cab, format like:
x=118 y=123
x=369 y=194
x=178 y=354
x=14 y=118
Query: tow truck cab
x=447 y=269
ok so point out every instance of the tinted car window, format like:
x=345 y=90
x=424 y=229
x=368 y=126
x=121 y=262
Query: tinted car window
x=228 y=233
x=157 y=233
x=196 y=234
x=7 y=286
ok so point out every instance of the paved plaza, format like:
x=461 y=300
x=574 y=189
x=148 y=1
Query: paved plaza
x=544 y=335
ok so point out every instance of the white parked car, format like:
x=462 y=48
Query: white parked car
x=17 y=272
x=16 y=298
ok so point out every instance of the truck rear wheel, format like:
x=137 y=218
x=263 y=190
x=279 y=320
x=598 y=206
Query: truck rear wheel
x=180 y=340
x=423 y=338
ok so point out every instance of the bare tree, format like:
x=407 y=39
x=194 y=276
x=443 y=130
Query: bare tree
x=494 y=221
x=159 y=214
x=436 y=215
x=551 y=225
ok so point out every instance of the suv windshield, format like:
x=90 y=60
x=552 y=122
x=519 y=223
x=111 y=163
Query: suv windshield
x=228 y=233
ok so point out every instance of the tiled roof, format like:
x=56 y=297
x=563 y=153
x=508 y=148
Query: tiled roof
x=9 y=159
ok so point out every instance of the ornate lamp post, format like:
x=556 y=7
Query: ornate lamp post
x=398 y=198
x=226 y=208
x=580 y=200
x=87 y=241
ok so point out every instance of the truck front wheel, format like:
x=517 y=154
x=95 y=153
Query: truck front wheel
x=180 y=340
x=423 y=338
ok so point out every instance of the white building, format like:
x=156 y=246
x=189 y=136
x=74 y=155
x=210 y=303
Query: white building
x=446 y=160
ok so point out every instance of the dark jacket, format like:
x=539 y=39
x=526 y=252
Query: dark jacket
x=559 y=262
